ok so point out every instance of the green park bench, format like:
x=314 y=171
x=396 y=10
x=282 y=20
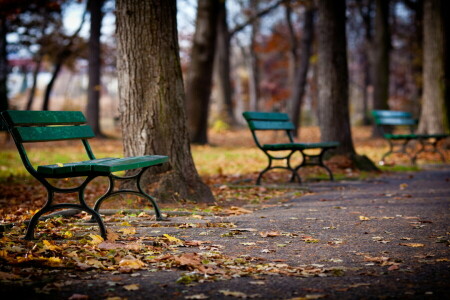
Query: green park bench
x=275 y=121
x=389 y=122
x=49 y=126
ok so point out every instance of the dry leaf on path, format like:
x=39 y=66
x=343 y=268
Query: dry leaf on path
x=131 y=287
x=414 y=245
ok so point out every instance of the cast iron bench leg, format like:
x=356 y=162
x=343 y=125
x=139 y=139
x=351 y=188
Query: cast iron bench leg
x=140 y=192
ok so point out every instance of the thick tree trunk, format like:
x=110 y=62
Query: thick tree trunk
x=222 y=68
x=334 y=120
x=4 y=68
x=37 y=67
x=199 y=77
x=380 y=57
x=333 y=76
x=94 y=86
x=434 y=117
x=299 y=84
x=152 y=99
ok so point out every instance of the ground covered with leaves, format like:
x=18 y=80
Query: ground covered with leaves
x=380 y=235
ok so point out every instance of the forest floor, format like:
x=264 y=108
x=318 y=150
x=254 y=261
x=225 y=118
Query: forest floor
x=366 y=235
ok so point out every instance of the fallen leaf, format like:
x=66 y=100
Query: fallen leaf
x=128 y=230
x=414 y=245
x=233 y=294
x=131 y=287
x=197 y=297
x=96 y=239
x=393 y=268
x=269 y=234
x=78 y=297
x=173 y=240
x=132 y=263
x=363 y=218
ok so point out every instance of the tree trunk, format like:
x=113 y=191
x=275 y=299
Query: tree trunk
x=334 y=120
x=49 y=88
x=222 y=68
x=380 y=57
x=198 y=89
x=94 y=86
x=434 y=117
x=4 y=68
x=36 y=70
x=152 y=99
x=299 y=84
x=253 y=62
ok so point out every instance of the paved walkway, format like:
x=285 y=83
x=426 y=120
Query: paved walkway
x=380 y=238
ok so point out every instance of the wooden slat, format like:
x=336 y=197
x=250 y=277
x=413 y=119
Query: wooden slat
x=56 y=133
x=265 y=116
x=42 y=118
x=68 y=168
x=270 y=125
x=391 y=114
x=396 y=121
x=130 y=163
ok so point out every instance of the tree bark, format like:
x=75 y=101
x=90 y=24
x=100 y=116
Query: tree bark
x=152 y=99
x=36 y=70
x=434 y=117
x=94 y=71
x=253 y=61
x=299 y=83
x=4 y=68
x=49 y=88
x=198 y=89
x=222 y=68
x=380 y=57
x=334 y=120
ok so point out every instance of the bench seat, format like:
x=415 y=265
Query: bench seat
x=299 y=146
x=102 y=165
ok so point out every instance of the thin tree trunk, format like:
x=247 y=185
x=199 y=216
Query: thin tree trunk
x=380 y=58
x=4 y=68
x=152 y=98
x=36 y=70
x=222 y=68
x=198 y=83
x=253 y=62
x=299 y=84
x=49 y=88
x=434 y=117
x=94 y=86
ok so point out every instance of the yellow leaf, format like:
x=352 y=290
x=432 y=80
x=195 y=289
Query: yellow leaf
x=111 y=236
x=132 y=263
x=50 y=246
x=131 y=287
x=60 y=164
x=125 y=223
x=363 y=218
x=414 y=245
x=173 y=239
x=54 y=261
x=403 y=186
x=128 y=230
x=96 y=239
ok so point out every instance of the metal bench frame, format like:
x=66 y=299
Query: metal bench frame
x=90 y=169
x=399 y=143
x=280 y=122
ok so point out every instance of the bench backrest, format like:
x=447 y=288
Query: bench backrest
x=392 y=118
x=269 y=121
x=46 y=126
